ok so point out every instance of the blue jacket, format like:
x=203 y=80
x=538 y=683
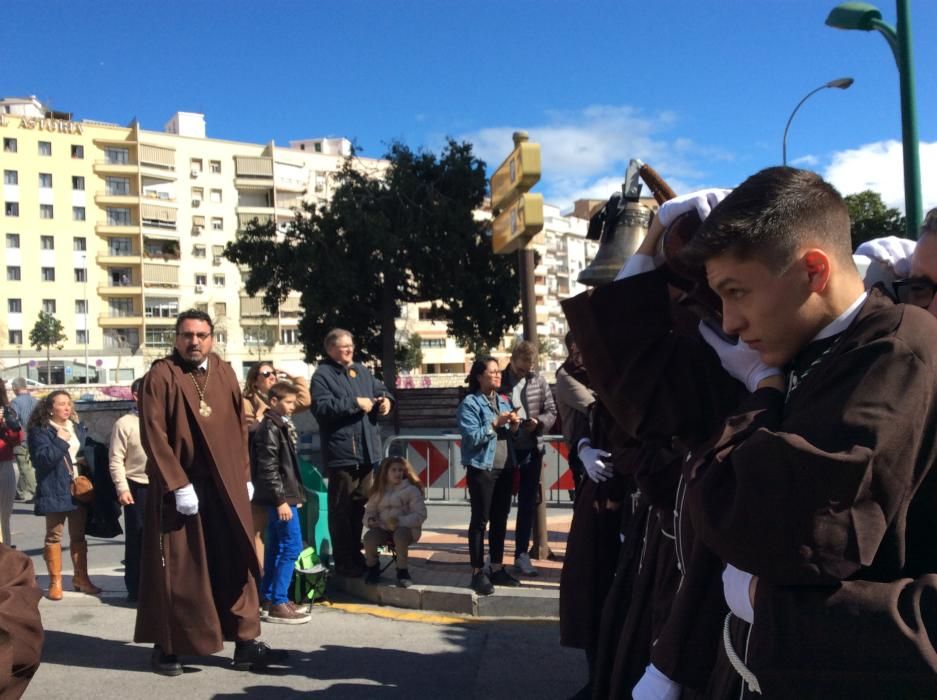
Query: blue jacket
x=49 y=455
x=349 y=435
x=479 y=438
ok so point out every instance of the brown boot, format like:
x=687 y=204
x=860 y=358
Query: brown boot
x=80 y=580
x=52 y=553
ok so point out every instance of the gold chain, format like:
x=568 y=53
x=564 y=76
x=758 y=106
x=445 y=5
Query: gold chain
x=203 y=408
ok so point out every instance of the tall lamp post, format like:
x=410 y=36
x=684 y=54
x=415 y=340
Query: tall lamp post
x=841 y=83
x=866 y=17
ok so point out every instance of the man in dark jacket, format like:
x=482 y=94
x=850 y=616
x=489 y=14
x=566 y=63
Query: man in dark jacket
x=346 y=401
x=277 y=487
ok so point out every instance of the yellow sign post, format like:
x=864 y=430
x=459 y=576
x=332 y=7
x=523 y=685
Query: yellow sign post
x=518 y=216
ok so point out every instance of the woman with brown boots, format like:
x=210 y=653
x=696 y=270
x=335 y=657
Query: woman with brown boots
x=56 y=443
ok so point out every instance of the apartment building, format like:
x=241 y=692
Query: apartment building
x=115 y=229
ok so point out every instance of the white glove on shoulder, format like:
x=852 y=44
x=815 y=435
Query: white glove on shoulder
x=592 y=458
x=186 y=500
x=654 y=685
x=739 y=360
x=702 y=201
x=635 y=265
x=735 y=587
x=892 y=251
x=250 y=491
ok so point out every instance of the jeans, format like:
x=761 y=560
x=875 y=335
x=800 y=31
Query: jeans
x=530 y=462
x=490 y=496
x=26 y=483
x=283 y=546
x=349 y=488
x=133 y=531
x=8 y=475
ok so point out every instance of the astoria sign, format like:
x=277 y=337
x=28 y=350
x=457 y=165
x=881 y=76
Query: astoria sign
x=62 y=126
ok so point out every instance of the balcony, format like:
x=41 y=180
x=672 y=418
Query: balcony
x=106 y=167
x=110 y=289
x=104 y=198
x=115 y=319
x=106 y=229
x=114 y=258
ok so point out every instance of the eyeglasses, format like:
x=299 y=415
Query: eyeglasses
x=267 y=372
x=192 y=336
x=493 y=372
x=916 y=291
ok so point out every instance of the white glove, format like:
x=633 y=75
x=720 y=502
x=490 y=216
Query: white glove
x=654 y=685
x=592 y=458
x=186 y=500
x=892 y=251
x=250 y=491
x=735 y=587
x=739 y=360
x=636 y=265
x=702 y=201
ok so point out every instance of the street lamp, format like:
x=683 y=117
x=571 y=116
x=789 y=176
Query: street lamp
x=841 y=83
x=866 y=17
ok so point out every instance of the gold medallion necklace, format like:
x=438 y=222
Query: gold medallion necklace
x=203 y=408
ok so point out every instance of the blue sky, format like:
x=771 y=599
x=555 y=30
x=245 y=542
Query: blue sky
x=699 y=90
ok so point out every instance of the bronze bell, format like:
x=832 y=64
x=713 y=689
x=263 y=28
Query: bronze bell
x=619 y=227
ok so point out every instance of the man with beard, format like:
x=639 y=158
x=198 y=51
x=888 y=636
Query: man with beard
x=197 y=586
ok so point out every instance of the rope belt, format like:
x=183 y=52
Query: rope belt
x=740 y=668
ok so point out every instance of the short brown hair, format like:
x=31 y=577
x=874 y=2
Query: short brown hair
x=281 y=390
x=525 y=350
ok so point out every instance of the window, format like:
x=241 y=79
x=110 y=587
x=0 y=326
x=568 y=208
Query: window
x=161 y=307
x=218 y=280
x=160 y=336
x=117 y=156
x=120 y=276
x=78 y=213
x=45 y=148
x=214 y=166
x=81 y=274
x=15 y=337
x=119 y=338
x=78 y=151
x=118 y=217
x=201 y=307
x=78 y=182
x=120 y=307
x=45 y=180
x=81 y=306
x=198 y=251
x=198 y=193
x=45 y=211
x=9 y=145
x=219 y=337
x=10 y=177
x=13 y=240
x=201 y=279
x=216 y=196
x=289 y=336
x=11 y=208
x=46 y=242
x=433 y=343
x=221 y=309
x=119 y=246
x=48 y=305
x=48 y=274
x=81 y=337
x=117 y=185
x=196 y=164
x=79 y=243
x=13 y=273
x=217 y=223
x=15 y=306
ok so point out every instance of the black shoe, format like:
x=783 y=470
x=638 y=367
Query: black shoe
x=403 y=578
x=254 y=655
x=481 y=585
x=373 y=575
x=501 y=577
x=165 y=664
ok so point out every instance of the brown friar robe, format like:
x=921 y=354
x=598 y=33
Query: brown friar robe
x=21 y=632
x=664 y=385
x=197 y=578
x=829 y=496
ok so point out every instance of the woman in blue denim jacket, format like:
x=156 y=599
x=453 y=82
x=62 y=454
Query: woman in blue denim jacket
x=487 y=424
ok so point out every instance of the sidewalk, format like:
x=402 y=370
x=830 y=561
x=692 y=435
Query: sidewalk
x=439 y=566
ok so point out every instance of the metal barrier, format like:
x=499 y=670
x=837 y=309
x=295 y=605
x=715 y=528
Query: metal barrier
x=437 y=458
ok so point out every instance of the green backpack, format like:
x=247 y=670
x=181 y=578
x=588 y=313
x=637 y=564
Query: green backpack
x=309 y=577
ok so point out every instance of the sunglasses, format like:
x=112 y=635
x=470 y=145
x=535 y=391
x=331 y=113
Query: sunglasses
x=915 y=291
x=267 y=372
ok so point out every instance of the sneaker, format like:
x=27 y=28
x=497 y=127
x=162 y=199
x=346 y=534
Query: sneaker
x=522 y=564
x=481 y=585
x=264 y=609
x=403 y=578
x=165 y=664
x=286 y=615
x=501 y=577
x=373 y=576
x=254 y=655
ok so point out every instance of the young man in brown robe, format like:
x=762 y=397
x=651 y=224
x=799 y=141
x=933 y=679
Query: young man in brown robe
x=198 y=562
x=820 y=491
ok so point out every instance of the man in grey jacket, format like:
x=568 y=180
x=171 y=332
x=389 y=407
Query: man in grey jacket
x=24 y=403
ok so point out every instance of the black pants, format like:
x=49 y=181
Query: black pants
x=133 y=537
x=530 y=463
x=490 y=496
x=349 y=488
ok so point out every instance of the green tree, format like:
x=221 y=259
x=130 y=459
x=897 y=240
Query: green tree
x=870 y=218
x=409 y=352
x=47 y=332
x=409 y=236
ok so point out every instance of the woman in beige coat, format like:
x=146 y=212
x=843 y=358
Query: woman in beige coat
x=396 y=510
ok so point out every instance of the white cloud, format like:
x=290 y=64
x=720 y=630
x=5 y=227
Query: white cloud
x=880 y=167
x=585 y=153
x=808 y=161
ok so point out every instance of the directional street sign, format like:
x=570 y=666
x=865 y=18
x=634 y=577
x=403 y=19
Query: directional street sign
x=518 y=217
x=515 y=226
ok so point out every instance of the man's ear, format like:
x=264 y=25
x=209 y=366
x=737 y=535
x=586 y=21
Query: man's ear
x=817 y=266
